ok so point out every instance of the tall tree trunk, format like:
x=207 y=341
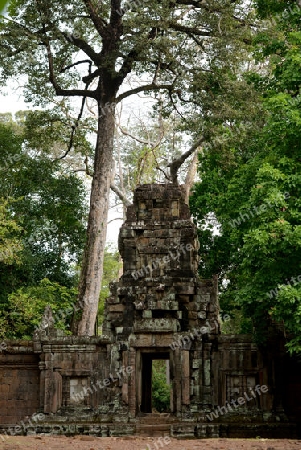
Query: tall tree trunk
x=92 y=268
x=190 y=177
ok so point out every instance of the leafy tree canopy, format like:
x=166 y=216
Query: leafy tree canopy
x=42 y=226
x=26 y=307
x=251 y=191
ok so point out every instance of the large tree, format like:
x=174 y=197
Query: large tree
x=107 y=51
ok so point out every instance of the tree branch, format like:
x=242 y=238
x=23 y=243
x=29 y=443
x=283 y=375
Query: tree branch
x=199 y=4
x=188 y=30
x=53 y=81
x=120 y=194
x=176 y=163
x=132 y=56
x=126 y=133
x=84 y=61
x=83 y=45
x=74 y=127
x=147 y=87
x=116 y=218
x=100 y=24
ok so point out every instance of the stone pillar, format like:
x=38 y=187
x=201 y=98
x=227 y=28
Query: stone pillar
x=178 y=382
x=49 y=383
x=132 y=383
x=185 y=377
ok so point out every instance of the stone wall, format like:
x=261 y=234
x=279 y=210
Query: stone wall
x=19 y=382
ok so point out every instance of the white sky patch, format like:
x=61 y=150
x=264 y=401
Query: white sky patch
x=11 y=100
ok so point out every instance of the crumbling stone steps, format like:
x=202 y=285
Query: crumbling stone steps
x=154 y=430
x=153 y=419
x=155 y=424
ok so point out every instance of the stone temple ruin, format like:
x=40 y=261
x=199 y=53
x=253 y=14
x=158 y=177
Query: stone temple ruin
x=220 y=385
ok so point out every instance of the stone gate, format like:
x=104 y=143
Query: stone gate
x=220 y=385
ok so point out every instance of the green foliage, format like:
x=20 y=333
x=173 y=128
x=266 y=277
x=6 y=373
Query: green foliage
x=55 y=126
x=251 y=189
x=111 y=267
x=49 y=205
x=27 y=305
x=160 y=389
x=3 y=4
x=237 y=324
x=146 y=147
x=42 y=229
x=287 y=310
x=10 y=242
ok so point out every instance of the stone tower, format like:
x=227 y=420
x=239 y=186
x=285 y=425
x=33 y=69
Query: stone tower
x=160 y=309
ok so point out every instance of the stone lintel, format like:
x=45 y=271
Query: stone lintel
x=147 y=340
x=157 y=325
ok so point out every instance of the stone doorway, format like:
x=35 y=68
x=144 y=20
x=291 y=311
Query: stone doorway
x=145 y=377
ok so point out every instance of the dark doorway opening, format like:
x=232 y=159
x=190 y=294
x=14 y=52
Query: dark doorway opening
x=155 y=383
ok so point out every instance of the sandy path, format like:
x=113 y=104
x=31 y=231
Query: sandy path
x=135 y=443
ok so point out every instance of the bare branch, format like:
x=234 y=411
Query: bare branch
x=176 y=163
x=196 y=4
x=120 y=194
x=116 y=218
x=175 y=106
x=53 y=81
x=76 y=123
x=132 y=56
x=79 y=43
x=126 y=133
x=74 y=127
x=91 y=76
x=86 y=170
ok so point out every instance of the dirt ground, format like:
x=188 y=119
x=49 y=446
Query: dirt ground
x=135 y=443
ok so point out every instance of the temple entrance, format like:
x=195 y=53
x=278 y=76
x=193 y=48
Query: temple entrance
x=155 y=382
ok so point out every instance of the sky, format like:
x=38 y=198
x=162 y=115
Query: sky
x=13 y=101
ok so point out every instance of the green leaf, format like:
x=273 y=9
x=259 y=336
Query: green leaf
x=3 y=4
